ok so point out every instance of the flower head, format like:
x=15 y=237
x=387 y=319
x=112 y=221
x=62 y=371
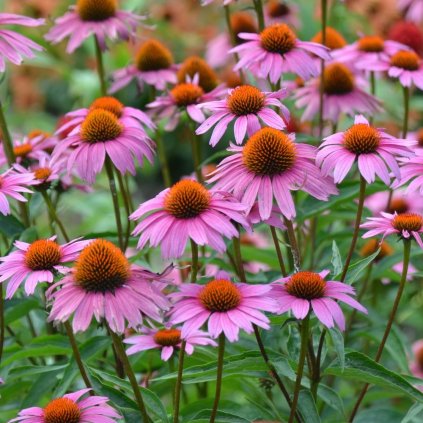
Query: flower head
x=244 y=104
x=37 y=262
x=153 y=65
x=308 y=290
x=334 y=40
x=413 y=9
x=106 y=128
x=408 y=33
x=13 y=184
x=103 y=284
x=14 y=47
x=276 y=51
x=167 y=340
x=227 y=307
x=185 y=211
x=374 y=150
x=406 y=225
x=416 y=365
x=269 y=166
x=100 y=18
x=400 y=202
x=183 y=97
x=195 y=65
x=341 y=92
x=369 y=53
x=279 y=11
x=71 y=409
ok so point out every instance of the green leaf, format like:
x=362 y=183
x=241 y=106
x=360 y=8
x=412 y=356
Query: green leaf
x=36 y=351
x=338 y=343
x=10 y=226
x=414 y=415
x=16 y=308
x=336 y=259
x=221 y=417
x=360 y=367
x=26 y=371
x=307 y=407
x=331 y=398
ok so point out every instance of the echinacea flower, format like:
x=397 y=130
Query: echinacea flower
x=153 y=65
x=400 y=202
x=333 y=39
x=218 y=47
x=405 y=225
x=227 y=307
x=103 y=284
x=167 y=340
x=408 y=33
x=37 y=262
x=244 y=104
x=12 y=184
x=374 y=150
x=109 y=129
x=277 y=51
x=186 y=211
x=416 y=364
x=71 y=409
x=341 y=94
x=183 y=97
x=407 y=66
x=92 y=17
x=196 y=65
x=306 y=291
x=14 y=46
x=369 y=53
x=207 y=2
x=281 y=11
x=413 y=9
x=410 y=169
x=269 y=166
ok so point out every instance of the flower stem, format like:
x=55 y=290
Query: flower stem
x=54 y=215
x=126 y=202
x=115 y=199
x=258 y=5
x=324 y=12
x=194 y=265
x=77 y=355
x=296 y=254
x=316 y=373
x=406 y=261
x=100 y=67
x=361 y=198
x=221 y=353
x=238 y=259
x=303 y=351
x=196 y=155
x=372 y=90
x=178 y=386
x=2 y=326
x=278 y=250
x=120 y=351
x=164 y=165
x=406 y=92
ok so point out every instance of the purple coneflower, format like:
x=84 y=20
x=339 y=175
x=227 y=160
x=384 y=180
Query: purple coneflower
x=227 y=307
x=71 y=409
x=153 y=65
x=375 y=151
x=413 y=9
x=308 y=290
x=37 y=262
x=400 y=202
x=276 y=51
x=92 y=17
x=167 y=340
x=244 y=104
x=12 y=184
x=269 y=166
x=14 y=46
x=186 y=211
x=406 y=225
x=341 y=94
x=281 y=11
x=110 y=129
x=103 y=284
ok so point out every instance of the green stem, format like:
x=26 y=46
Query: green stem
x=406 y=91
x=194 y=264
x=258 y=5
x=220 y=355
x=120 y=351
x=372 y=90
x=238 y=259
x=361 y=198
x=296 y=254
x=54 y=216
x=316 y=373
x=100 y=67
x=303 y=351
x=115 y=199
x=77 y=355
x=196 y=155
x=406 y=261
x=127 y=205
x=2 y=326
x=278 y=250
x=324 y=11
x=164 y=165
x=178 y=386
